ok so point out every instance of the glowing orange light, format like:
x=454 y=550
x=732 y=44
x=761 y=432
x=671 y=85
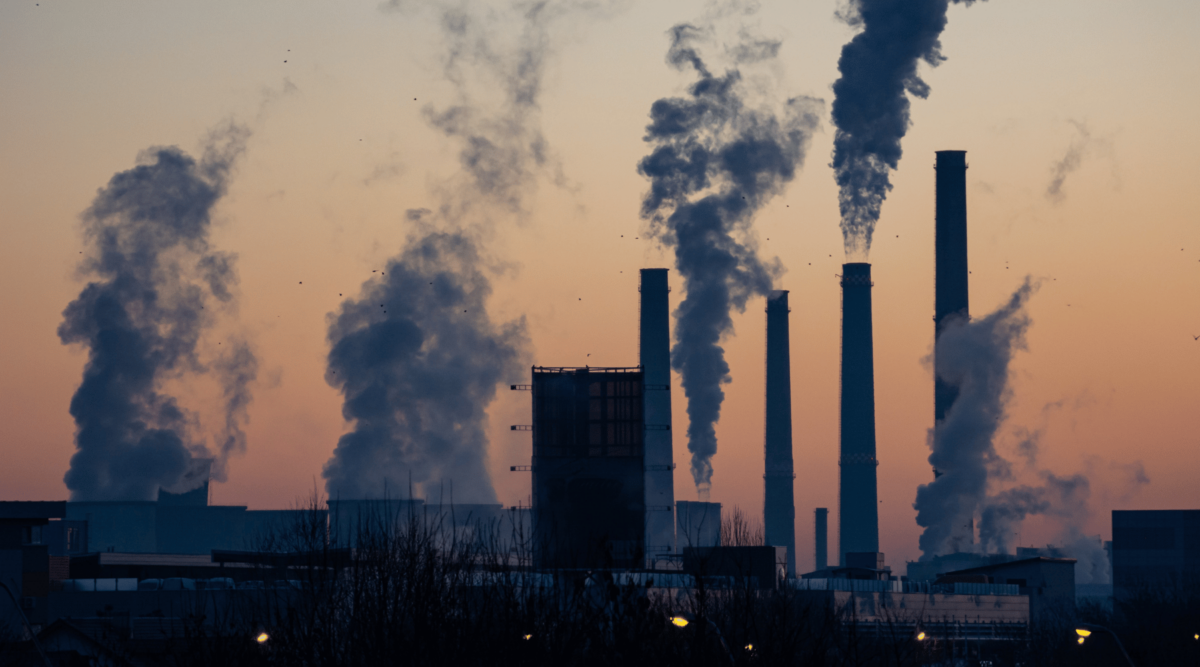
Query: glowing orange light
x=1083 y=633
x=527 y=637
x=679 y=621
x=920 y=636
x=1081 y=640
x=262 y=638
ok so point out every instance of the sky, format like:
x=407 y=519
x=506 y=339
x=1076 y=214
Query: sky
x=333 y=92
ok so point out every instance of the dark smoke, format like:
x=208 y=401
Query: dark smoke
x=418 y=360
x=142 y=318
x=716 y=160
x=870 y=108
x=416 y=355
x=974 y=357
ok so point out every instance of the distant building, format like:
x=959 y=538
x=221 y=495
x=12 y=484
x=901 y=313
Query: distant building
x=932 y=568
x=743 y=567
x=588 y=467
x=26 y=565
x=1049 y=583
x=168 y=528
x=1154 y=549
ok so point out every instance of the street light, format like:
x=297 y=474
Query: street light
x=1084 y=630
x=262 y=638
x=684 y=620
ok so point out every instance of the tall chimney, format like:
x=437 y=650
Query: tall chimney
x=821 y=538
x=779 y=509
x=655 y=357
x=951 y=294
x=858 y=515
x=950 y=258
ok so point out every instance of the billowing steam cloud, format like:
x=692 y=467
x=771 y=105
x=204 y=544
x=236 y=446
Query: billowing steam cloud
x=143 y=317
x=1004 y=511
x=870 y=108
x=716 y=160
x=973 y=357
x=416 y=355
x=418 y=360
x=1064 y=498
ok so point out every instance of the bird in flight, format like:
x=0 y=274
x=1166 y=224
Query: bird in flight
x=1195 y=337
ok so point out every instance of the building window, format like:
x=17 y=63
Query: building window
x=32 y=535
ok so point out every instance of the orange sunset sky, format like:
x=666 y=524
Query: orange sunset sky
x=340 y=150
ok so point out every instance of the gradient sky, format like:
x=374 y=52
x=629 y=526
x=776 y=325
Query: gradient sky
x=340 y=150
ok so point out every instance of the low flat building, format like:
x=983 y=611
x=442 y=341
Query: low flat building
x=1048 y=582
x=944 y=612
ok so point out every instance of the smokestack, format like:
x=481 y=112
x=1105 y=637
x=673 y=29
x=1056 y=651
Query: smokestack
x=951 y=295
x=858 y=516
x=821 y=539
x=654 y=347
x=779 y=509
x=950 y=277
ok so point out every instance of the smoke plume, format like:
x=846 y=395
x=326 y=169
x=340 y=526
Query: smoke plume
x=143 y=317
x=870 y=108
x=416 y=355
x=974 y=357
x=418 y=359
x=1082 y=145
x=1003 y=512
x=1062 y=498
x=717 y=157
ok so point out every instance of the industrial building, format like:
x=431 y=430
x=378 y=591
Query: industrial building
x=1155 y=549
x=1049 y=584
x=603 y=467
x=588 y=477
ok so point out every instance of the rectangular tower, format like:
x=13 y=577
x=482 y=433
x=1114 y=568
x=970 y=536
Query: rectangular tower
x=858 y=514
x=779 y=510
x=588 y=469
x=655 y=357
